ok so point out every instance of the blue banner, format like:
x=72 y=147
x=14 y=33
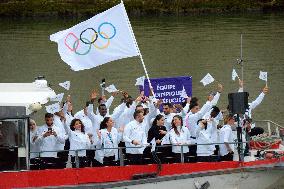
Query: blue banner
x=169 y=89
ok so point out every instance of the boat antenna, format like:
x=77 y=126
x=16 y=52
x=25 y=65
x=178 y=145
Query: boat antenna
x=240 y=60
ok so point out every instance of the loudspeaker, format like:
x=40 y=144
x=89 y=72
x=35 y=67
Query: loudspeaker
x=238 y=102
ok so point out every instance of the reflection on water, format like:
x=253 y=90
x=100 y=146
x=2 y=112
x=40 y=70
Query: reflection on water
x=171 y=46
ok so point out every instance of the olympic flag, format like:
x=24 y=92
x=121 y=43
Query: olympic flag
x=101 y=39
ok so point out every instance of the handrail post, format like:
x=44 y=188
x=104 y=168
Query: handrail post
x=181 y=155
x=277 y=131
x=76 y=159
x=121 y=157
x=269 y=128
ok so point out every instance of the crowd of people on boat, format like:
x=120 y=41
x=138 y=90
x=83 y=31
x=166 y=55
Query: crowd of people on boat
x=91 y=137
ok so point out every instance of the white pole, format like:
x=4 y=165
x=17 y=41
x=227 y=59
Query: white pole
x=242 y=62
x=136 y=44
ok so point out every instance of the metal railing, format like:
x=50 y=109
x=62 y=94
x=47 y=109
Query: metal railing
x=122 y=155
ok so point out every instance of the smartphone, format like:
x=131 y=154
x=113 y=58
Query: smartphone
x=49 y=129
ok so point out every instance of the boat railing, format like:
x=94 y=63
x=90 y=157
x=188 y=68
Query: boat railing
x=272 y=128
x=121 y=151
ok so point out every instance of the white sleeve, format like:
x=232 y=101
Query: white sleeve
x=257 y=101
x=144 y=139
x=109 y=102
x=173 y=138
x=126 y=134
x=60 y=138
x=67 y=129
x=226 y=135
x=215 y=99
x=188 y=136
x=205 y=108
x=118 y=111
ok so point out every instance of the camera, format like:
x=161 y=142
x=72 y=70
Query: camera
x=49 y=129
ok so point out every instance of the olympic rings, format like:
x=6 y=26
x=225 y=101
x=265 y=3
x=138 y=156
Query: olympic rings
x=93 y=40
x=77 y=41
x=74 y=48
x=105 y=46
x=107 y=23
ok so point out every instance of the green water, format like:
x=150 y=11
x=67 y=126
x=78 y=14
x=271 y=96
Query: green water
x=171 y=46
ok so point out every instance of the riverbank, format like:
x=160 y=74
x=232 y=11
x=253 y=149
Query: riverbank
x=27 y=8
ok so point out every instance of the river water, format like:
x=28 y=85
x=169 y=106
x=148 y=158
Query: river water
x=171 y=46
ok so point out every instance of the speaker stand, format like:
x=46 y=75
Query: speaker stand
x=240 y=139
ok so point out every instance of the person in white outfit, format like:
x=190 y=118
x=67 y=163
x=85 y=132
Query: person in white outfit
x=135 y=137
x=226 y=137
x=205 y=135
x=49 y=137
x=179 y=135
x=34 y=146
x=79 y=142
x=89 y=129
x=109 y=137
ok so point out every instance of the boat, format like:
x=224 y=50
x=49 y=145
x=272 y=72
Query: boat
x=197 y=175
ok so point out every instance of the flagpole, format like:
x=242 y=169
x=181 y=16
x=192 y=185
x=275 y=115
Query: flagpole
x=242 y=65
x=140 y=55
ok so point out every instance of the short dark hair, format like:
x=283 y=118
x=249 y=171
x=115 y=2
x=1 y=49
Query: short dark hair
x=48 y=115
x=194 y=100
x=137 y=112
x=215 y=109
x=168 y=104
x=192 y=105
x=101 y=105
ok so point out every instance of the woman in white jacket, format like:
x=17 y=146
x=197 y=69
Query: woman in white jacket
x=79 y=141
x=179 y=135
x=204 y=135
x=109 y=137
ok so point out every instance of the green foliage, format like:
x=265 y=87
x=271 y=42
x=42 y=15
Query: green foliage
x=91 y=7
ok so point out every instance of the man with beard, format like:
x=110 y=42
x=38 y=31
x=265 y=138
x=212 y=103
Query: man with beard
x=49 y=138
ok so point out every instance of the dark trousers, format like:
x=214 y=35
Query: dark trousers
x=83 y=162
x=192 y=156
x=228 y=157
x=50 y=163
x=109 y=161
x=177 y=157
x=135 y=159
x=90 y=158
x=8 y=159
x=35 y=163
x=205 y=159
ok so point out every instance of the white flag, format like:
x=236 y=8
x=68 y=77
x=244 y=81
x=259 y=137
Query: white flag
x=183 y=93
x=153 y=143
x=111 y=89
x=57 y=97
x=53 y=108
x=263 y=76
x=207 y=79
x=65 y=85
x=234 y=75
x=101 y=39
x=140 y=81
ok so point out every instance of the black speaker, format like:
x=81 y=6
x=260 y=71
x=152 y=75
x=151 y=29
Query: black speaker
x=238 y=102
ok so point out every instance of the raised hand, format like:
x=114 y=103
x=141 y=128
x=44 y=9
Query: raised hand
x=93 y=95
x=220 y=87
x=265 y=90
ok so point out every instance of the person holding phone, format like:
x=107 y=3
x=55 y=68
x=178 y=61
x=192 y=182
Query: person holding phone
x=49 y=138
